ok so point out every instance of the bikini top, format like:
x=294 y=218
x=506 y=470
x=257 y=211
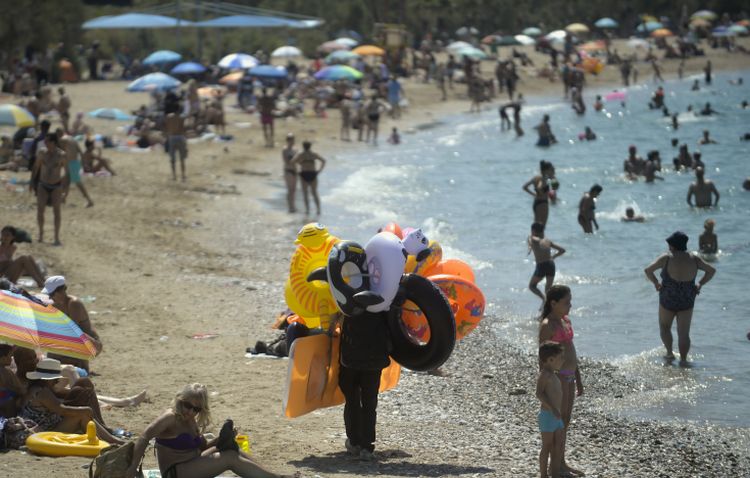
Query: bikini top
x=183 y=441
x=564 y=333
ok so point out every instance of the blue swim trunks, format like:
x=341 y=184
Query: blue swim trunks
x=548 y=422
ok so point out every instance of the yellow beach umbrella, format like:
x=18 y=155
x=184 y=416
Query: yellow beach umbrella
x=662 y=33
x=369 y=50
x=577 y=28
x=12 y=115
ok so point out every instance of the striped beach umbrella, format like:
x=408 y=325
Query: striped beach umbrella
x=12 y=115
x=28 y=323
x=238 y=61
x=154 y=82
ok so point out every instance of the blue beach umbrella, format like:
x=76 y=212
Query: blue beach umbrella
x=238 y=61
x=338 y=72
x=268 y=71
x=110 y=114
x=738 y=29
x=161 y=57
x=606 y=22
x=649 y=26
x=154 y=82
x=188 y=68
x=722 y=32
x=532 y=31
x=341 y=56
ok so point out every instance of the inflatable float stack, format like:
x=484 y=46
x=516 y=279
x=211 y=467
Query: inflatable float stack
x=430 y=302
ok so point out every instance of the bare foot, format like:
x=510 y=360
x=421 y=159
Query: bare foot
x=136 y=400
x=565 y=468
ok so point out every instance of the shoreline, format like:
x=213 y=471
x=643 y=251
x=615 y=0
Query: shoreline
x=167 y=260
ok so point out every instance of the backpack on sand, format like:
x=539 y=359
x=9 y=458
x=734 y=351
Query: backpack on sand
x=114 y=461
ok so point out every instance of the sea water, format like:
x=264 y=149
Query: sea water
x=461 y=182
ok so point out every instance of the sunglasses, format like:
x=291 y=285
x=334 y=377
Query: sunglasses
x=190 y=406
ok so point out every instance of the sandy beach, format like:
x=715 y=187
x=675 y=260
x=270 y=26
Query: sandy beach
x=161 y=261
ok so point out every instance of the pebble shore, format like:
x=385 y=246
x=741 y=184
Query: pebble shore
x=479 y=419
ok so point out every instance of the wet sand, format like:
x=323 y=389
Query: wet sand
x=167 y=260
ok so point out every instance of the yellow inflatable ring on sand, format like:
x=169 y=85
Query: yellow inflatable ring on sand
x=66 y=444
x=312 y=301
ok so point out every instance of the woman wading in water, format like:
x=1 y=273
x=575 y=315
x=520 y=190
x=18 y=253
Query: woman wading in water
x=308 y=174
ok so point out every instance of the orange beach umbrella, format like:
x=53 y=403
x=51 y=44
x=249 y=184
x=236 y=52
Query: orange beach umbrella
x=662 y=33
x=369 y=50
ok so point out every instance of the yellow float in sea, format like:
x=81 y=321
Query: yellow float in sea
x=312 y=301
x=66 y=444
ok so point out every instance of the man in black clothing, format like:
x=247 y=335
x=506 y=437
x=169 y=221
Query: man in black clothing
x=364 y=355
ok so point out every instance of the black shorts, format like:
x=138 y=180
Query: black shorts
x=545 y=269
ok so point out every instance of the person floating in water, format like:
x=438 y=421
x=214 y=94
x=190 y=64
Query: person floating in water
x=708 y=111
x=677 y=291
x=706 y=139
x=545 y=260
x=587 y=135
x=703 y=190
x=708 y=242
x=696 y=86
x=394 y=138
x=598 y=105
x=631 y=217
x=657 y=99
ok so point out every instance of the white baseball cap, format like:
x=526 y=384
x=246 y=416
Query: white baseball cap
x=52 y=284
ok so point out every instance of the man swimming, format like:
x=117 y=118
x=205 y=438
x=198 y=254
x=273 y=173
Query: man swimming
x=631 y=217
x=703 y=190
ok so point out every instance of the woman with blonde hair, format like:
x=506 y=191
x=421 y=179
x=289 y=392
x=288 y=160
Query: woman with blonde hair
x=181 y=449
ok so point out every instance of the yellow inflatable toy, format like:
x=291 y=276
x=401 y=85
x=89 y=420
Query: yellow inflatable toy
x=64 y=444
x=311 y=300
x=435 y=256
x=592 y=65
x=313 y=375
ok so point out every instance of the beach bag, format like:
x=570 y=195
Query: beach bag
x=114 y=461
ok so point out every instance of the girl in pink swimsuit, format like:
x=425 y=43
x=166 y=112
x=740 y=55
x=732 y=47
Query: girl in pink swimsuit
x=556 y=327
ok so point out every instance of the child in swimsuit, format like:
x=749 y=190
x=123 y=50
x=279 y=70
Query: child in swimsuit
x=556 y=327
x=549 y=393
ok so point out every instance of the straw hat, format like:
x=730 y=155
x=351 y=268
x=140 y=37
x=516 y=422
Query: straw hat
x=46 y=369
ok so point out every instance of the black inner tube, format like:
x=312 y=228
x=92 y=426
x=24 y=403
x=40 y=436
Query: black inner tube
x=433 y=304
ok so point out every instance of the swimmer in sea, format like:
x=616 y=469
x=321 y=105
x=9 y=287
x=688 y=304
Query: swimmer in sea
x=708 y=111
x=675 y=122
x=746 y=184
x=706 y=139
x=541 y=184
x=697 y=161
x=708 y=242
x=546 y=138
x=696 y=86
x=653 y=164
x=588 y=134
x=598 y=105
x=703 y=190
x=634 y=164
x=587 y=209
x=545 y=260
x=631 y=217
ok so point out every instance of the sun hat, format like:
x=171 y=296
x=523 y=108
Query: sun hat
x=52 y=284
x=46 y=369
x=678 y=240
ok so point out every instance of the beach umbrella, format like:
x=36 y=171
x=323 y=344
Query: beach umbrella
x=606 y=23
x=349 y=42
x=330 y=46
x=457 y=45
x=161 y=57
x=699 y=23
x=349 y=33
x=238 y=61
x=188 y=68
x=154 y=82
x=532 y=31
x=232 y=78
x=648 y=18
x=590 y=46
x=471 y=52
x=110 y=114
x=649 y=26
x=638 y=43
x=738 y=29
x=369 y=50
x=489 y=39
x=27 y=322
x=662 y=33
x=341 y=56
x=577 y=28
x=338 y=72
x=556 y=35
x=505 y=40
x=286 y=52
x=525 y=40
x=12 y=115
x=268 y=71
x=721 y=32
x=467 y=31
x=744 y=23
x=704 y=14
